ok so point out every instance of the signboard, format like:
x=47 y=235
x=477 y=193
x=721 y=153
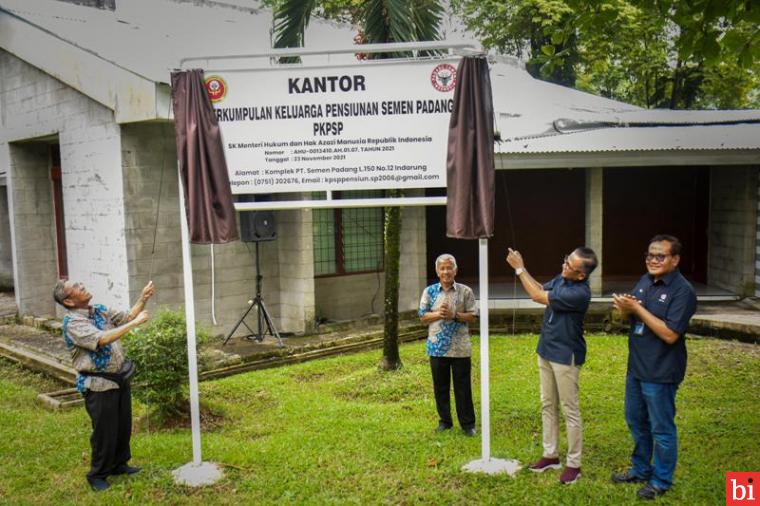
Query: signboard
x=373 y=125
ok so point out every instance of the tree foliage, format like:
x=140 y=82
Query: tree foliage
x=380 y=20
x=655 y=53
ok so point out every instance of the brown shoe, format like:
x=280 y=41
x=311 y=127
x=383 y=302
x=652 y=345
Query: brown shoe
x=544 y=464
x=570 y=475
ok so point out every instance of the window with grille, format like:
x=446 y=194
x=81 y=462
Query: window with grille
x=348 y=241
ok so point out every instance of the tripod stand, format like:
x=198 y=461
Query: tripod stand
x=262 y=313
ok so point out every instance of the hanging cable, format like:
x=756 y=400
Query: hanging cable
x=497 y=140
x=160 y=190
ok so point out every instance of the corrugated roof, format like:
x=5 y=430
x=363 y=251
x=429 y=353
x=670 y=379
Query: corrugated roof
x=538 y=117
x=149 y=37
x=663 y=138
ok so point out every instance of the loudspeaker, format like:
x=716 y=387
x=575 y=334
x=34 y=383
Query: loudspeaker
x=257 y=226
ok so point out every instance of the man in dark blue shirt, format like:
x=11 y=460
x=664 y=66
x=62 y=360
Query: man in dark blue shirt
x=660 y=306
x=561 y=352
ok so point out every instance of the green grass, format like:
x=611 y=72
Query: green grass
x=338 y=431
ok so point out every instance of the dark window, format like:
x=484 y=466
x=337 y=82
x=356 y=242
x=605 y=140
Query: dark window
x=348 y=241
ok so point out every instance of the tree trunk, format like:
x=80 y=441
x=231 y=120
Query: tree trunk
x=391 y=359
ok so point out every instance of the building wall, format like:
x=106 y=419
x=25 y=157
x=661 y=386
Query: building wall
x=152 y=210
x=732 y=229
x=32 y=223
x=412 y=269
x=6 y=254
x=353 y=296
x=349 y=297
x=294 y=270
x=37 y=107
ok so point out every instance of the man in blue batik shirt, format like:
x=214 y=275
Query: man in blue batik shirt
x=92 y=333
x=448 y=307
x=660 y=306
x=561 y=352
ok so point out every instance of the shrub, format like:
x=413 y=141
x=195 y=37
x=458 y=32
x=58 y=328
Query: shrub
x=159 y=351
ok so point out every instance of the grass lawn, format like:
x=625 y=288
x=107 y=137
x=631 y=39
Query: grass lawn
x=338 y=431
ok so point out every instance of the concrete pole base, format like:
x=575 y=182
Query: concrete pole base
x=493 y=466
x=197 y=475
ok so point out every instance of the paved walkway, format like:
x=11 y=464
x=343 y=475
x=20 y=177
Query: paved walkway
x=734 y=320
x=42 y=348
x=7 y=304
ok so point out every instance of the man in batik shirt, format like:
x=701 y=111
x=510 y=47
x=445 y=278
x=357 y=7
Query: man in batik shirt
x=92 y=333
x=448 y=307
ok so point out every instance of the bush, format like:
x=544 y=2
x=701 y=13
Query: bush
x=159 y=351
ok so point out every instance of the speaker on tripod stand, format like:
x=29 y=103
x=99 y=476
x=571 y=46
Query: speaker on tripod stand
x=256 y=227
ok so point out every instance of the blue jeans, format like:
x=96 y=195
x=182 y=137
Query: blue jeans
x=650 y=410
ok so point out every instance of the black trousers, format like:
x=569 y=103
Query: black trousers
x=443 y=368
x=111 y=415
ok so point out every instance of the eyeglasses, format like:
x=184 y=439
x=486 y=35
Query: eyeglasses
x=566 y=263
x=659 y=258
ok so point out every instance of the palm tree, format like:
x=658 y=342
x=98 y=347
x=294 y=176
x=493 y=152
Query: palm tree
x=382 y=21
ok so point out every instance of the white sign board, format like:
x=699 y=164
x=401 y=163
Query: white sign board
x=372 y=125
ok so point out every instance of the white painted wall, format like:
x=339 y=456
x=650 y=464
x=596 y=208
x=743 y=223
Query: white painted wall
x=93 y=200
x=35 y=105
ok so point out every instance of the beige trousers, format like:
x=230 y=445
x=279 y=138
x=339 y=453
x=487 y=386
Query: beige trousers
x=559 y=386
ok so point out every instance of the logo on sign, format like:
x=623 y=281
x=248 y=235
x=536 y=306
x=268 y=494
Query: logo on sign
x=444 y=77
x=741 y=489
x=216 y=88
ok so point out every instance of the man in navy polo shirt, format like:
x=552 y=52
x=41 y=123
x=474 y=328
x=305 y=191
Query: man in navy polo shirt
x=561 y=352
x=660 y=306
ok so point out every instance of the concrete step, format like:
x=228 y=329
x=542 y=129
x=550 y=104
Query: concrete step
x=36 y=361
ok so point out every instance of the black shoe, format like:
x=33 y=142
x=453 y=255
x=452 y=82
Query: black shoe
x=98 y=484
x=470 y=431
x=627 y=477
x=650 y=492
x=125 y=469
x=442 y=427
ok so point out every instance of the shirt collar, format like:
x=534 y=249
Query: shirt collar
x=667 y=279
x=572 y=282
x=86 y=312
x=453 y=286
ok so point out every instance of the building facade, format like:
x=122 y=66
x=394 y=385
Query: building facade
x=88 y=151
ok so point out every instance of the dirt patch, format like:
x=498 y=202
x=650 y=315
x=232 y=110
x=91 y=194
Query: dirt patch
x=394 y=386
x=212 y=419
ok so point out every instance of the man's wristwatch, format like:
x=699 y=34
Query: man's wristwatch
x=519 y=271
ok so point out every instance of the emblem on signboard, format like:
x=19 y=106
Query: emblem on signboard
x=444 y=77
x=216 y=88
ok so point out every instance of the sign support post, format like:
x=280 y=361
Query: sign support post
x=197 y=472
x=486 y=464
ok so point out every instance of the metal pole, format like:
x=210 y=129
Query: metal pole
x=192 y=359
x=485 y=407
x=465 y=47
